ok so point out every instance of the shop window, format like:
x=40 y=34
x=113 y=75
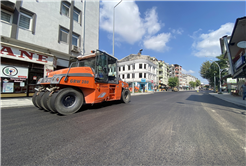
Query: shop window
x=140 y=75
x=13 y=85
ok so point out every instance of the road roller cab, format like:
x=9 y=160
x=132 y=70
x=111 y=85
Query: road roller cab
x=89 y=79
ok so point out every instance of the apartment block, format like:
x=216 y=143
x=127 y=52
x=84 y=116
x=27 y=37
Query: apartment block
x=139 y=70
x=39 y=36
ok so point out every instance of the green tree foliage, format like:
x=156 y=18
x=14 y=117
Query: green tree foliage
x=173 y=81
x=198 y=82
x=192 y=84
x=209 y=69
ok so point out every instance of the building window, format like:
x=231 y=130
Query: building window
x=144 y=75
x=140 y=75
x=123 y=76
x=119 y=68
x=133 y=66
x=64 y=35
x=65 y=9
x=123 y=68
x=133 y=75
x=140 y=66
x=6 y=17
x=129 y=67
x=75 y=39
x=76 y=15
x=25 y=21
x=144 y=66
x=128 y=75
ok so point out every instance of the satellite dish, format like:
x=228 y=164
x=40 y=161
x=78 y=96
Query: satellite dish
x=241 y=44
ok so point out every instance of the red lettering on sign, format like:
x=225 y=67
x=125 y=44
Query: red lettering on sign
x=42 y=58
x=26 y=53
x=8 y=50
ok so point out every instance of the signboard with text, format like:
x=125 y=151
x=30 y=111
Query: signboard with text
x=24 y=55
x=231 y=81
x=13 y=71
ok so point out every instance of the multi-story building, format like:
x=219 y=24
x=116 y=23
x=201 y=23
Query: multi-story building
x=187 y=79
x=163 y=73
x=175 y=70
x=233 y=48
x=138 y=70
x=39 y=36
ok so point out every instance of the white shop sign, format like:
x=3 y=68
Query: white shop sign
x=13 y=71
x=23 y=55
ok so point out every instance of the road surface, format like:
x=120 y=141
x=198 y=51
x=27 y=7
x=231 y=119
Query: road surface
x=169 y=128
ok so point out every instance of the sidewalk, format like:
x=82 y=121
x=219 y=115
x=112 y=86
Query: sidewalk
x=16 y=102
x=238 y=100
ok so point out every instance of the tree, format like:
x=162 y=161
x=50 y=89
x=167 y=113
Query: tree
x=209 y=69
x=173 y=81
x=192 y=84
x=198 y=82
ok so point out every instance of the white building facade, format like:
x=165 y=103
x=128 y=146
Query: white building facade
x=39 y=36
x=187 y=79
x=138 y=70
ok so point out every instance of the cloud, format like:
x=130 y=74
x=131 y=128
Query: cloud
x=151 y=21
x=208 y=44
x=157 y=43
x=187 y=71
x=130 y=27
x=128 y=23
x=177 y=31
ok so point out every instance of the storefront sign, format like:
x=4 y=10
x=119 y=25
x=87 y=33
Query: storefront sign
x=231 y=81
x=47 y=70
x=143 y=80
x=240 y=62
x=19 y=54
x=13 y=71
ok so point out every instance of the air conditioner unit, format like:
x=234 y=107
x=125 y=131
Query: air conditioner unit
x=75 y=49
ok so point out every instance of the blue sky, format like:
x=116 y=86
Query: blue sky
x=179 y=32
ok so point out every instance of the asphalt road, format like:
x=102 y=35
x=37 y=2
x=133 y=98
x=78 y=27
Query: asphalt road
x=170 y=128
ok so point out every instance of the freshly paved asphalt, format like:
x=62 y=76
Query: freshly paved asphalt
x=172 y=128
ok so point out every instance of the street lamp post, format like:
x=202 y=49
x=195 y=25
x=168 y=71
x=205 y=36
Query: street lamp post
x=113 y=23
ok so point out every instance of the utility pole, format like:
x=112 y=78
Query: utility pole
x=113 y=23
x=214 y=83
